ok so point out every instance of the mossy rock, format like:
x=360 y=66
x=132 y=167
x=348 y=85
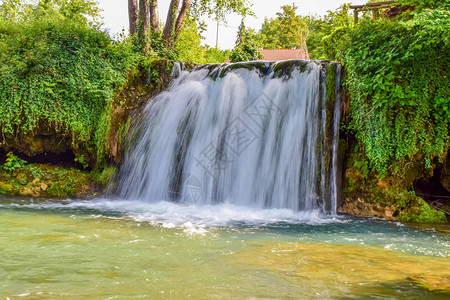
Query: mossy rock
x=22 y=178
x=45 y=180
x=5 y=188
x=103 y=177
x=389 y=197
x=421 y=212
x=60 y=189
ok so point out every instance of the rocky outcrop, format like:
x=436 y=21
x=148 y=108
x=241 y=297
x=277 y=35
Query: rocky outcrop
x=392 y=197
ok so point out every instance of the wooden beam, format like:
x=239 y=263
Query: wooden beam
x=372 y=5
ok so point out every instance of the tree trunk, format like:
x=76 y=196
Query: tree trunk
x=170 y=22
x=133 y=16
x=180 y=20
x=143 y=26
x=154 y=21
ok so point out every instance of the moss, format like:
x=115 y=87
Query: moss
x=284 y=69
x=421 y=212
x=142 y=85
x=22 y=178
x=43 y=180
x=369 y=195
x=5 y=188
x=60 y=189
x=262 y=68
x=103 y=177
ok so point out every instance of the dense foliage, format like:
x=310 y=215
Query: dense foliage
x=190 y=48
x=398 y=78
x=246 y=48
x=288 y=30
x=320 y=27
x=58 y=70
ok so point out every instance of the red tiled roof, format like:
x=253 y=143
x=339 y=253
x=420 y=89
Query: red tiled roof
x=284 y=54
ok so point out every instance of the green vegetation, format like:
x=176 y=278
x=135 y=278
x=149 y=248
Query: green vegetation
x=44 y=180
x=13 y=162
x=369 y=195
x=336 y=22
x=181 y=33
x=60 y=75
x=58 y=70
x=189 y=47
x=246 y=48
x=288 y=30
x=398 y=79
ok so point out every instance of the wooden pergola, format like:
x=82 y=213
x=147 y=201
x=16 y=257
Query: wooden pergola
x=374 y=7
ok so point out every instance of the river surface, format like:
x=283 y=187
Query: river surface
x=115 y=249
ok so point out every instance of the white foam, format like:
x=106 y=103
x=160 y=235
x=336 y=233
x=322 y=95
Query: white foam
x=172 y=215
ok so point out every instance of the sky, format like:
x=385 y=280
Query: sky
x=115 y=14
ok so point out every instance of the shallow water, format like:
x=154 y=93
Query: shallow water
x=113 y=249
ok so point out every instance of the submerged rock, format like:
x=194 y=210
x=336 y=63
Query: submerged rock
x=432 y=282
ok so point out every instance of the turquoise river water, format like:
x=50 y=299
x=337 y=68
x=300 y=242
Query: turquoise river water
x=115 y=249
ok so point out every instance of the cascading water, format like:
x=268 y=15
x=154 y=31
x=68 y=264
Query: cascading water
x=251 y=134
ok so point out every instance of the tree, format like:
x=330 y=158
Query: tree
x=133 y=16
x=178 y=11
x=287 y=30
x=80 y=11
x=246 y=48
x=139 y=20
x=154 y=21
x=59 y=71
x=321 y=27
x=215 y=55
x=190 y=48
x=12 y=10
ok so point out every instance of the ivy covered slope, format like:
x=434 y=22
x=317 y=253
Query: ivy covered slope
x=58 y=76
x=398 y=79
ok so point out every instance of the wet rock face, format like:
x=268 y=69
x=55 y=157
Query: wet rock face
x=42 y=140
x=391 y=197
x=444 y=176
x=359 y=208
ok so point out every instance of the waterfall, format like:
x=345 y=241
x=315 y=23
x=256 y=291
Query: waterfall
x=254 y=134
